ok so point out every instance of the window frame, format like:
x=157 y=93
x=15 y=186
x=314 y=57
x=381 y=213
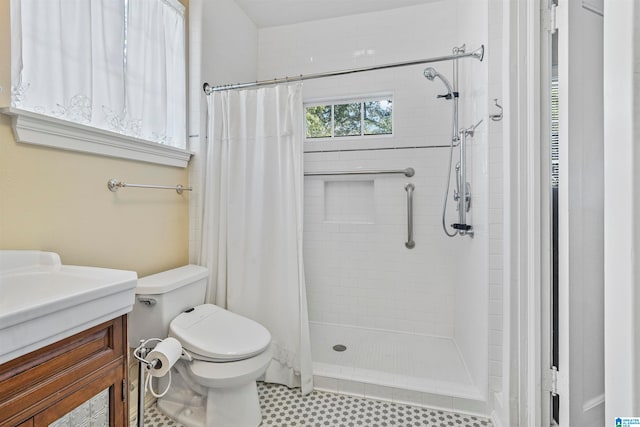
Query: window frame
x=352 y=142
x=45 y=130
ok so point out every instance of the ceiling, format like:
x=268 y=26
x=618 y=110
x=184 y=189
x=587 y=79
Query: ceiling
x=271 y=13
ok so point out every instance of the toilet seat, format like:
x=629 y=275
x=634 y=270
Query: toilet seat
x=211 y=333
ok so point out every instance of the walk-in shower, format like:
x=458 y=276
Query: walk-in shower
x=389 y=315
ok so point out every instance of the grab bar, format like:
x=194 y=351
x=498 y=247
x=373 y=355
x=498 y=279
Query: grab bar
x=408 y=172
x=410 y=244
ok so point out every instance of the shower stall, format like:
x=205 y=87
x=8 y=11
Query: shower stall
x=389 y=320
x=386 y=320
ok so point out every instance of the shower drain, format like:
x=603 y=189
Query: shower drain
x=339 y=347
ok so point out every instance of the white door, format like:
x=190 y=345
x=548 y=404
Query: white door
x=622 y=198
x=580 y=221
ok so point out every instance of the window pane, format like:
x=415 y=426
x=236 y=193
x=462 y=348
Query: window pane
x=318 y=121
x=377 y=117
x=347 y=119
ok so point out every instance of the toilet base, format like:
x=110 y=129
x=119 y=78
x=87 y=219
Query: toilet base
x=238 y=407
x=206 y=394
x=185 y=415
x=194 y=405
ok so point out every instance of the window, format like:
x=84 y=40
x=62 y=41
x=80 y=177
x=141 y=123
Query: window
x=367 y=117
x=117 y=66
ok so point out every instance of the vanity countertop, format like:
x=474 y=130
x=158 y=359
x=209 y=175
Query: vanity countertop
x=43 y=301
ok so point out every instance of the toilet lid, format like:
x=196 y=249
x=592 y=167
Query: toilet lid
x=217 y=334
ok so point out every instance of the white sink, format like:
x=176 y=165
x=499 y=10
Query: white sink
x=43 y=301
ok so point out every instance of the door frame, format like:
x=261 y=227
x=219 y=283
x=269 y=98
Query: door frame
x=523 y=226
x=523 y=319
x=546 y=30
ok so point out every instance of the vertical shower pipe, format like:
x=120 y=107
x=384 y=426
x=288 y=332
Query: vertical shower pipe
x=461 y=164
x=461 y=172
x=464 y=194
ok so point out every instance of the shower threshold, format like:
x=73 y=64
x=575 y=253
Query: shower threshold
x=396 y=366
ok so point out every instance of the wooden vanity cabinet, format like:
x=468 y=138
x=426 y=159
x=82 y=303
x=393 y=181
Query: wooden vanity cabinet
x=41 y=387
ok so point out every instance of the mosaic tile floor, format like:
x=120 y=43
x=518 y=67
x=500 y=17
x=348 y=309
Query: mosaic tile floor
x=282 y=407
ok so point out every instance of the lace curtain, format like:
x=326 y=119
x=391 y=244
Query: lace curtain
x=82 y=61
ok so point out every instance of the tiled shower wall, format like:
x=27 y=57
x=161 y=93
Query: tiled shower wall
x=357 y=268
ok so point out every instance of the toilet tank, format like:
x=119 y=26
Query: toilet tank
x=161 y=297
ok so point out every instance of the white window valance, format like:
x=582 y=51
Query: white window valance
x=116 y=65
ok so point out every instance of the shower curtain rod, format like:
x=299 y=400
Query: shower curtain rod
x=208 y=89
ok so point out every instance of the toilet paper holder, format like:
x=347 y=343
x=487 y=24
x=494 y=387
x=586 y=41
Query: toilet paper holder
x=140 y=353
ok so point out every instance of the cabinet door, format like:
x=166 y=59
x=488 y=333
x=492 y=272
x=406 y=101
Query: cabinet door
x=100 y=403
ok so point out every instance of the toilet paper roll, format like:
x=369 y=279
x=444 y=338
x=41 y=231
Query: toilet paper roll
x=166 y=353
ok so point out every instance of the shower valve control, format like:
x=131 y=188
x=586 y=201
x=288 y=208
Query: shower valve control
x=458 y=190
x=467 y=199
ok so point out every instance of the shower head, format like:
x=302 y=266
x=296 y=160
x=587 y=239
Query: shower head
x=431 y=73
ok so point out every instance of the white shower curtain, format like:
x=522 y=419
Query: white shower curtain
x=252 y=220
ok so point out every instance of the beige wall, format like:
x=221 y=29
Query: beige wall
x=56 y=200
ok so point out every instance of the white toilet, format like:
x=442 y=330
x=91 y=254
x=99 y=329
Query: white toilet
x=230 y=352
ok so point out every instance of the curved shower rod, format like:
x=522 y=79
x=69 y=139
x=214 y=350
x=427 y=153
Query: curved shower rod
x=477 y=54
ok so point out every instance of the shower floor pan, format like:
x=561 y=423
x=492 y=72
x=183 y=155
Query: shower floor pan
x=395 y=366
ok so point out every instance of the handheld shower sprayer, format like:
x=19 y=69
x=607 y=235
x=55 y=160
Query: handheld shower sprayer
x=461 y=194
x=430 y=73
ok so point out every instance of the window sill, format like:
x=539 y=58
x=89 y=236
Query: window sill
x=38 y=129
